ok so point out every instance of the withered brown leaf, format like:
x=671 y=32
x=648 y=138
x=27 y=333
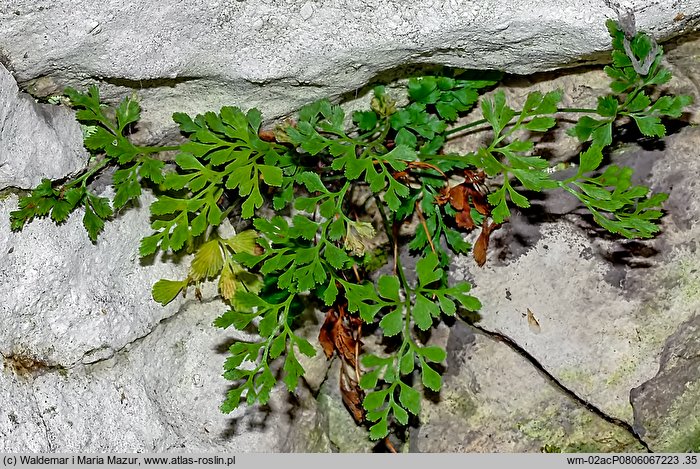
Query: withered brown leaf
x=458 y=197
x=532 y=322
x=443 y=197
x=325 y=336
x=480 y=203
x=482 y=243
x=352 y=395
x=337 y=335
x=344 y=342
x=464 y=220
x=267 y=135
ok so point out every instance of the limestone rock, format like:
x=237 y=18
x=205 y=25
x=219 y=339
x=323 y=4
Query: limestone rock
x=667 y=407
x=160 y=393
x=22 y=429
x=66 y=300
x=493 y=401
x=81 y=336
x=36 y=140
x=597 y=296
x=278 y=55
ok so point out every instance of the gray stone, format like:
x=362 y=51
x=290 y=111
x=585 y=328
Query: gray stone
x=21 y=428
x=67 y=300
x=564 y=279
x=683 y=56
x=579 y=313
x=279 y=55
x=667 y=407
x=343 y=433
x=36 y=140
x=308 y=433
x=101 y=410
x=316 y=368
x=492 y=400
x=160 y=393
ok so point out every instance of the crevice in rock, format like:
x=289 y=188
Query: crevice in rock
x=123 y=348
x=5 y=60
x=558 y=384
x=12 y=190
x=41 y=418
x=132 y=342
x=679 y=366
x=317 y=392
x=163 y=82
x=9 y=358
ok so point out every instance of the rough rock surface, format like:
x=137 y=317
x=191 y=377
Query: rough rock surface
x=494 y=401
x=65 y=300
x=629 y=304
x=278 y=55
x=160 y=393
x=667 y=407
x=36 y=140
x=21 y=426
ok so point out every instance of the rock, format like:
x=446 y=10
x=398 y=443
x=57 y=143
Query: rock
x=683 y=56
x=80 y=327
x=66 y=300
x=280 y=55
x=595 y=320
x=330 y=428
x=315 y=368
x=82 y=337
x=309 y=433
x=622 y=302
x=343 y=433
x=101 y=409
x=36 y=140
x=160 y=393
x=667 y=407
x=668 y=404
x=21 y=428
x=492 y=400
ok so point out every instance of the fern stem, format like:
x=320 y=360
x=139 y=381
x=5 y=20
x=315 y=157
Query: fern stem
x=89 y=172
x=465 y=127
x=147 y=150
x=479 y=122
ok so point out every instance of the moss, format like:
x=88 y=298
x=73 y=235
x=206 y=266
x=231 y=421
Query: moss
x=689 y=273
x=459 y=405
x=679 y=431
x=583 y=380
x=41 y=87
x=679 y=285
x=623 y=372
x=587 y=434
x=343 y=433
x=551 y=449
x=315 y=440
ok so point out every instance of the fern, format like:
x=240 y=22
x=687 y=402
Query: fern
x=326 y=247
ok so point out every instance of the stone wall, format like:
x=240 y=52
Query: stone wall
x=90 y=363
